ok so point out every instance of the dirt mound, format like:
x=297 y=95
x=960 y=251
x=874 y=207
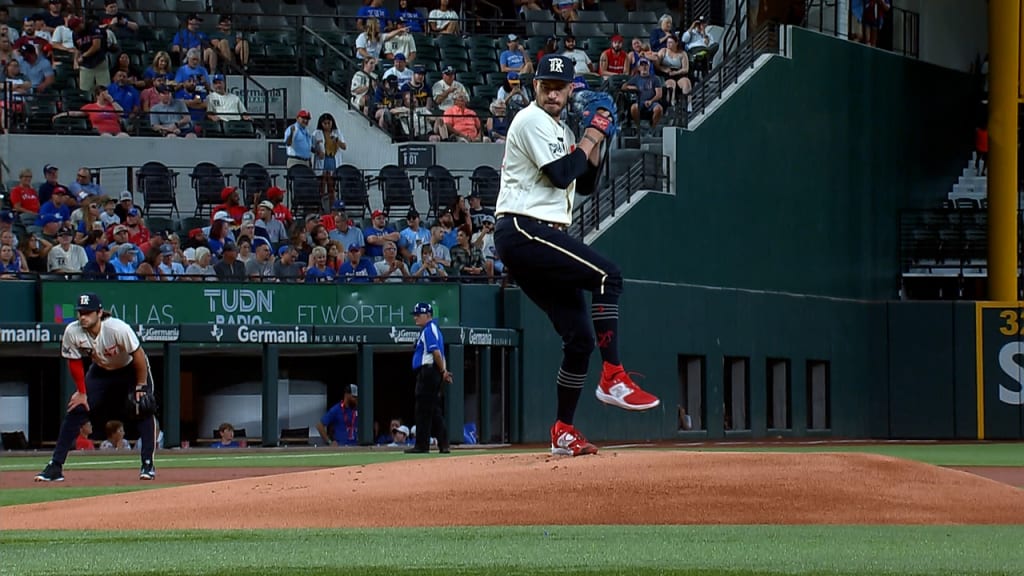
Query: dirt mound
x=627 y=487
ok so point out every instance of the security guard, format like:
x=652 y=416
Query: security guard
x=429 y=364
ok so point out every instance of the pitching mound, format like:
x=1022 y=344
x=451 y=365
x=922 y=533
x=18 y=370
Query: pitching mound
x=628 y=487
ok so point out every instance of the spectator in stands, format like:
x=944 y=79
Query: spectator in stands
x=82 y=442
x=169 y=269
x=52 y=174
x=117 y=21
x=478 y=212
x=57 y=205
x=412 y=237
x=191 y=38
x=227 y=437
x=131 y=72
x=17 y=84
x=261 y=266
x=161 y=67
x=515 y=58
x=7 y=237
x=35 y=36
x=375 y=10
x=390 y=111
x=378 y=234
x=229 y=269
x=370 y=42
x=700 y=45
x=648 y=90
x=100 y=268
x=10 y=263
x=231 y=47
x=61 y=37
x=463 y=122
x=138 y=234
x=219 y=232
x=467 y=259
x=273 y=228
x=115 y=437
x=150 y=96
x=400 y=70
x=498 y=121
x=673 y=66
x=104 y=113
x=550 y=47
x=328 y=142
x=244 y=244
x=91 y=57
x=400 y=41
x=108 y=217
x=122 y=92
x=194 y=96
x=426 y=121
x=406 y=16
x=7 y=53
x=566 y=10
x=443 y=20
x=613 y=59
x=873 y=19
x=335 y=256
x=356 y=268
x=222 y=105
x=437 y=246
x=287 y=269
x=201 y=269
x=318 y=271
x=53 y=17
x=170 y=117
x=445 y=89
x=38 y=70
x=400 y=437
x=33 y=248
x=5 y=18
x=124 y=200
x=149 y=269
x=67 y=257
x=25 y=199
x=512 y=94
x=124 y=263
x=231 y=203
x=427 y=266
x=391 y=269
x=583 y=63
x=660 y=34
x=88 y=219
x=299 y=141
x=363 y=85
x=344 y=231
x=192 y=70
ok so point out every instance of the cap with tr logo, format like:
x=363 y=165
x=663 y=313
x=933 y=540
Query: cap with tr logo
x=555 y=67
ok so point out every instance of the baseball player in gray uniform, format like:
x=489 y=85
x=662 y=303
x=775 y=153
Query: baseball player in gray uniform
x=543 y=169
x=119 y=373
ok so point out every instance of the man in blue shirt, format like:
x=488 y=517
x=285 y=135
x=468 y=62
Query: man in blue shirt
x=57 y=206
x=376 y=10
x=342 y=419
x=515 y=59
x=125 y=94
x=356 y=268
x=298 y=141
x=38 y=70
x=428 y=363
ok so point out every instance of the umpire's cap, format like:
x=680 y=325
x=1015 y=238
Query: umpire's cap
x=555 y=67
x=89 y=302
x=422 y=308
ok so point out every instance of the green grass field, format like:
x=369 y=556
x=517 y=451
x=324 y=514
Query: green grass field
x=561 y=550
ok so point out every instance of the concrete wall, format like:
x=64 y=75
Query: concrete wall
x=953 y=32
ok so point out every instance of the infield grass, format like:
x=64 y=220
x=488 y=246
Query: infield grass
x=491 y=551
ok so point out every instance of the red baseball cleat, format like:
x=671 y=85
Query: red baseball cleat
x=618 y=389
x=566 y=440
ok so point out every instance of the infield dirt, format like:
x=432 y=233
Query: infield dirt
x=613 y=487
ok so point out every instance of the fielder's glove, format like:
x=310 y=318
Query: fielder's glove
x=592 y=103
x=141 y=406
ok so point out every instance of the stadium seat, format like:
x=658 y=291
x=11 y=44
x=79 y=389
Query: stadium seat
x=74 y=125
x=486 y=182
x=156 y=182
x=304 y=187
x=396 y=188
x=239 y=129
x=442 y=189
x=208 y=181
x=350 y=187
x=253 y=180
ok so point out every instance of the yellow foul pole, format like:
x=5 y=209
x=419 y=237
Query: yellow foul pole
x=1004 y=21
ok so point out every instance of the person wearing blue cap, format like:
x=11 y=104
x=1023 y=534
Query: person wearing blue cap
x=648 y=88
x=356 y=267
x=222 y=105
x=544 y=170
x=287 y=269
x=169 y=269
x=515 y=58
x=400 y=70
x=431 y=369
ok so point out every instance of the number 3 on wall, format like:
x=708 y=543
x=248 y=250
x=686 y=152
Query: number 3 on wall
x=1012 y=326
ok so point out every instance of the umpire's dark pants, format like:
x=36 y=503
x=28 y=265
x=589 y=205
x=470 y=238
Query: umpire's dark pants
x=553 y=269
x=429 y=420
x=108 y=392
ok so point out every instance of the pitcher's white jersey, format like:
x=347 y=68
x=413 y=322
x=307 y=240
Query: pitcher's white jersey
x=535 y=139
x=111 y=350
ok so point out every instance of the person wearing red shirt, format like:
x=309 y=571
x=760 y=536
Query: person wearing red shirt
x=104 y=114
x=613 y=60
x=82 y=442
x=281 y=212
x=25 y=199
x=232 y=204
x=138 y=234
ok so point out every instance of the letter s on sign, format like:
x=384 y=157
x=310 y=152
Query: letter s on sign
x=1008 y=363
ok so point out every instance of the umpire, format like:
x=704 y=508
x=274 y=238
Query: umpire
x=119 y=372
x=428 y=363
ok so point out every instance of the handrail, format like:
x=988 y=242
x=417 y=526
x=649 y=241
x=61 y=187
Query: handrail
x=909 y=24
x=349 y=60
x=592 y=210
x=268 y=123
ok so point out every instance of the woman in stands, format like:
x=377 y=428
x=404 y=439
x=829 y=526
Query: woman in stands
x=9 y=265
x=327 y=146
x=149 y=269
x=218 y=236
x=34 y=249
x=90 y=217
x=201 y=269
x=497 y=124
x=124 y=64
x=673 y=66
x=335 y=256
x=369 y=43
x=7 y=239
x=161 y=67
x=244 y=249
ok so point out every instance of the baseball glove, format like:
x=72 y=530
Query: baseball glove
x=141 y=407
x=592 y=103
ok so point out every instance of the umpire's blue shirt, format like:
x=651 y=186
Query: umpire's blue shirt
x=430 y=339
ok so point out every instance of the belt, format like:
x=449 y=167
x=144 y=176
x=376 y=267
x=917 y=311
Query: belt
x=555 y=225
x=299 y=158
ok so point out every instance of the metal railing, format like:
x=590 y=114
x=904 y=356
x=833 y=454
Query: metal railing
x=904 y=26
x=649 y=172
